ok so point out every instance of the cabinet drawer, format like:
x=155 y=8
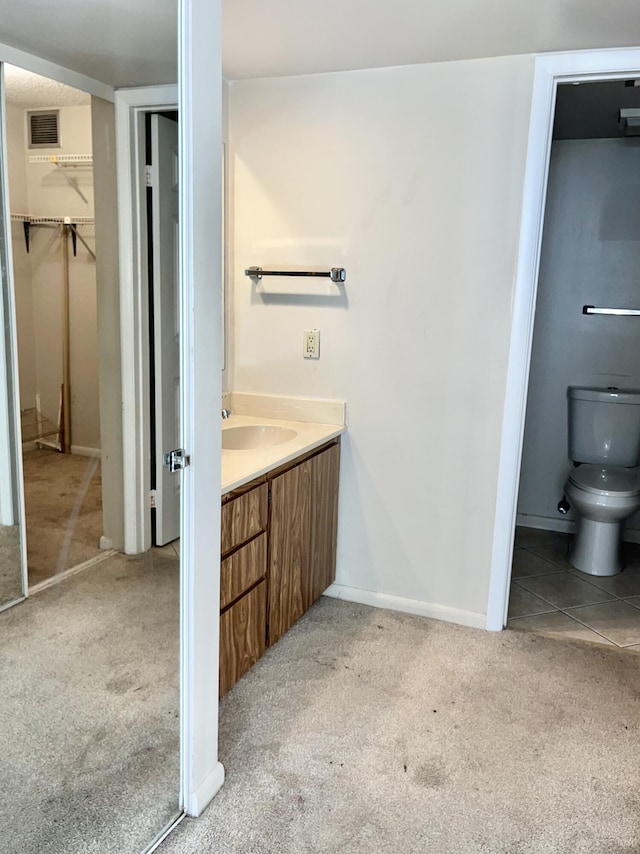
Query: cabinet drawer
x=242 y=636
x=242 y=569
x=243 y=518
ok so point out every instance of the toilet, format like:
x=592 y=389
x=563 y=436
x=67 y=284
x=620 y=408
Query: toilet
x=604 y=487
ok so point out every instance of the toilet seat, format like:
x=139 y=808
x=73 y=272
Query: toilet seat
x=606 y=480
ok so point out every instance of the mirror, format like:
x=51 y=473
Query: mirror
x=12 y=582
x=90 y=718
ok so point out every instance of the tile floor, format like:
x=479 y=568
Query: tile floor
x=549 y=595
x=172 y=550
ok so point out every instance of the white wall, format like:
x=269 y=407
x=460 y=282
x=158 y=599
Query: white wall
x=590 y=256
x=45 y=192
x=411 y=178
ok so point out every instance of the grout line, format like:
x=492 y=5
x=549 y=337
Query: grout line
x=591 y=629
x=534 y=614
x=574 y=573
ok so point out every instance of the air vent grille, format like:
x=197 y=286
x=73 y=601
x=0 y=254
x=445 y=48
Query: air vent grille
x=44 y=129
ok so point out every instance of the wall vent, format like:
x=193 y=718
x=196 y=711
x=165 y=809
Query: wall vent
x=44 y=129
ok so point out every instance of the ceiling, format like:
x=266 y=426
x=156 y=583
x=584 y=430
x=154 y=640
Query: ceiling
x=130 y=44
x=33 y=92
x=285 y=37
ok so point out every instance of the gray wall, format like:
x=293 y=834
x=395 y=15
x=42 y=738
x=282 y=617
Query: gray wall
x=590 y=255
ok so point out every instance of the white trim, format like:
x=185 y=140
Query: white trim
x=37 y=65
x=206 y=792
x=13 y=602
x=160 y=838
x=11 y=327
x=131 y=105
x=83 y=451
x=74 y=570
x=407 y=606
x=550 y=70
x=200 y=392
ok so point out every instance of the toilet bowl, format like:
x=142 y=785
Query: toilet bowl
x=604 y=497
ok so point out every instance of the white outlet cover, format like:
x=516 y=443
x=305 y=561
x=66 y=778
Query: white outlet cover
x=311 y=344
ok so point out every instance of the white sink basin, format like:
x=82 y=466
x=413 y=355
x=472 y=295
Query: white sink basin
x=252 y=436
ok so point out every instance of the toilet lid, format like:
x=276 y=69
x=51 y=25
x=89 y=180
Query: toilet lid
x=606 y=479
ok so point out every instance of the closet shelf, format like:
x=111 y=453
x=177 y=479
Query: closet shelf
x=70 y=224
x=63 y=159
x=60 y=220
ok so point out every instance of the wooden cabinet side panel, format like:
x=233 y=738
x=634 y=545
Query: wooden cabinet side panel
x=242 y=569
x=325 y=474
x=242 y=636
x=243 y=518
x=289 y=548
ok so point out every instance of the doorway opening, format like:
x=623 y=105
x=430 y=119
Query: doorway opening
x=162 y=203
x=590 y=256
x=541 y=203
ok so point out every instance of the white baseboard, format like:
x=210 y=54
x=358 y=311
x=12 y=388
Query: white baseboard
x=206 y=791
x=546 y=523
x=408 y=606
x=565 y=526
x=83 y=451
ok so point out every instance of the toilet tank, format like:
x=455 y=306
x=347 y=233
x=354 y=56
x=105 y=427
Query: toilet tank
x=604 y=426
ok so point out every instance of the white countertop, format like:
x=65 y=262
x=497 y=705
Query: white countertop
x=240 y=467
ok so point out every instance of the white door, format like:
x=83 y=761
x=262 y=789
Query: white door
x=163 y=180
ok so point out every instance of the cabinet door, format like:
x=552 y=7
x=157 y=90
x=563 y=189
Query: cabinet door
x=242 y=636
x=325 y=471
x=242 y=570
x=243 y=518
x=289 y=548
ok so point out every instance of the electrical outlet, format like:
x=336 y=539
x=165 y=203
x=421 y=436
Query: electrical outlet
x=311 y=345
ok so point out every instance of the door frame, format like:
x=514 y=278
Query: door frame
x=550 y=71
x=131 y=106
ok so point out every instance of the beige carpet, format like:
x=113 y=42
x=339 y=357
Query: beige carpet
x=10 y=564
x=63 y=503
x=371 y=731
x=89 y=726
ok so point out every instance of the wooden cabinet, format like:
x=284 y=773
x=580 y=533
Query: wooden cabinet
x=289 y=535
x=242 y=636
x=243 y=586
x=302 y=536
x=278 y=544
x=243 y=517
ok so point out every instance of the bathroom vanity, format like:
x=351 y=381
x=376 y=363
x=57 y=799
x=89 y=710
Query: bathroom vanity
x=278 y=538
